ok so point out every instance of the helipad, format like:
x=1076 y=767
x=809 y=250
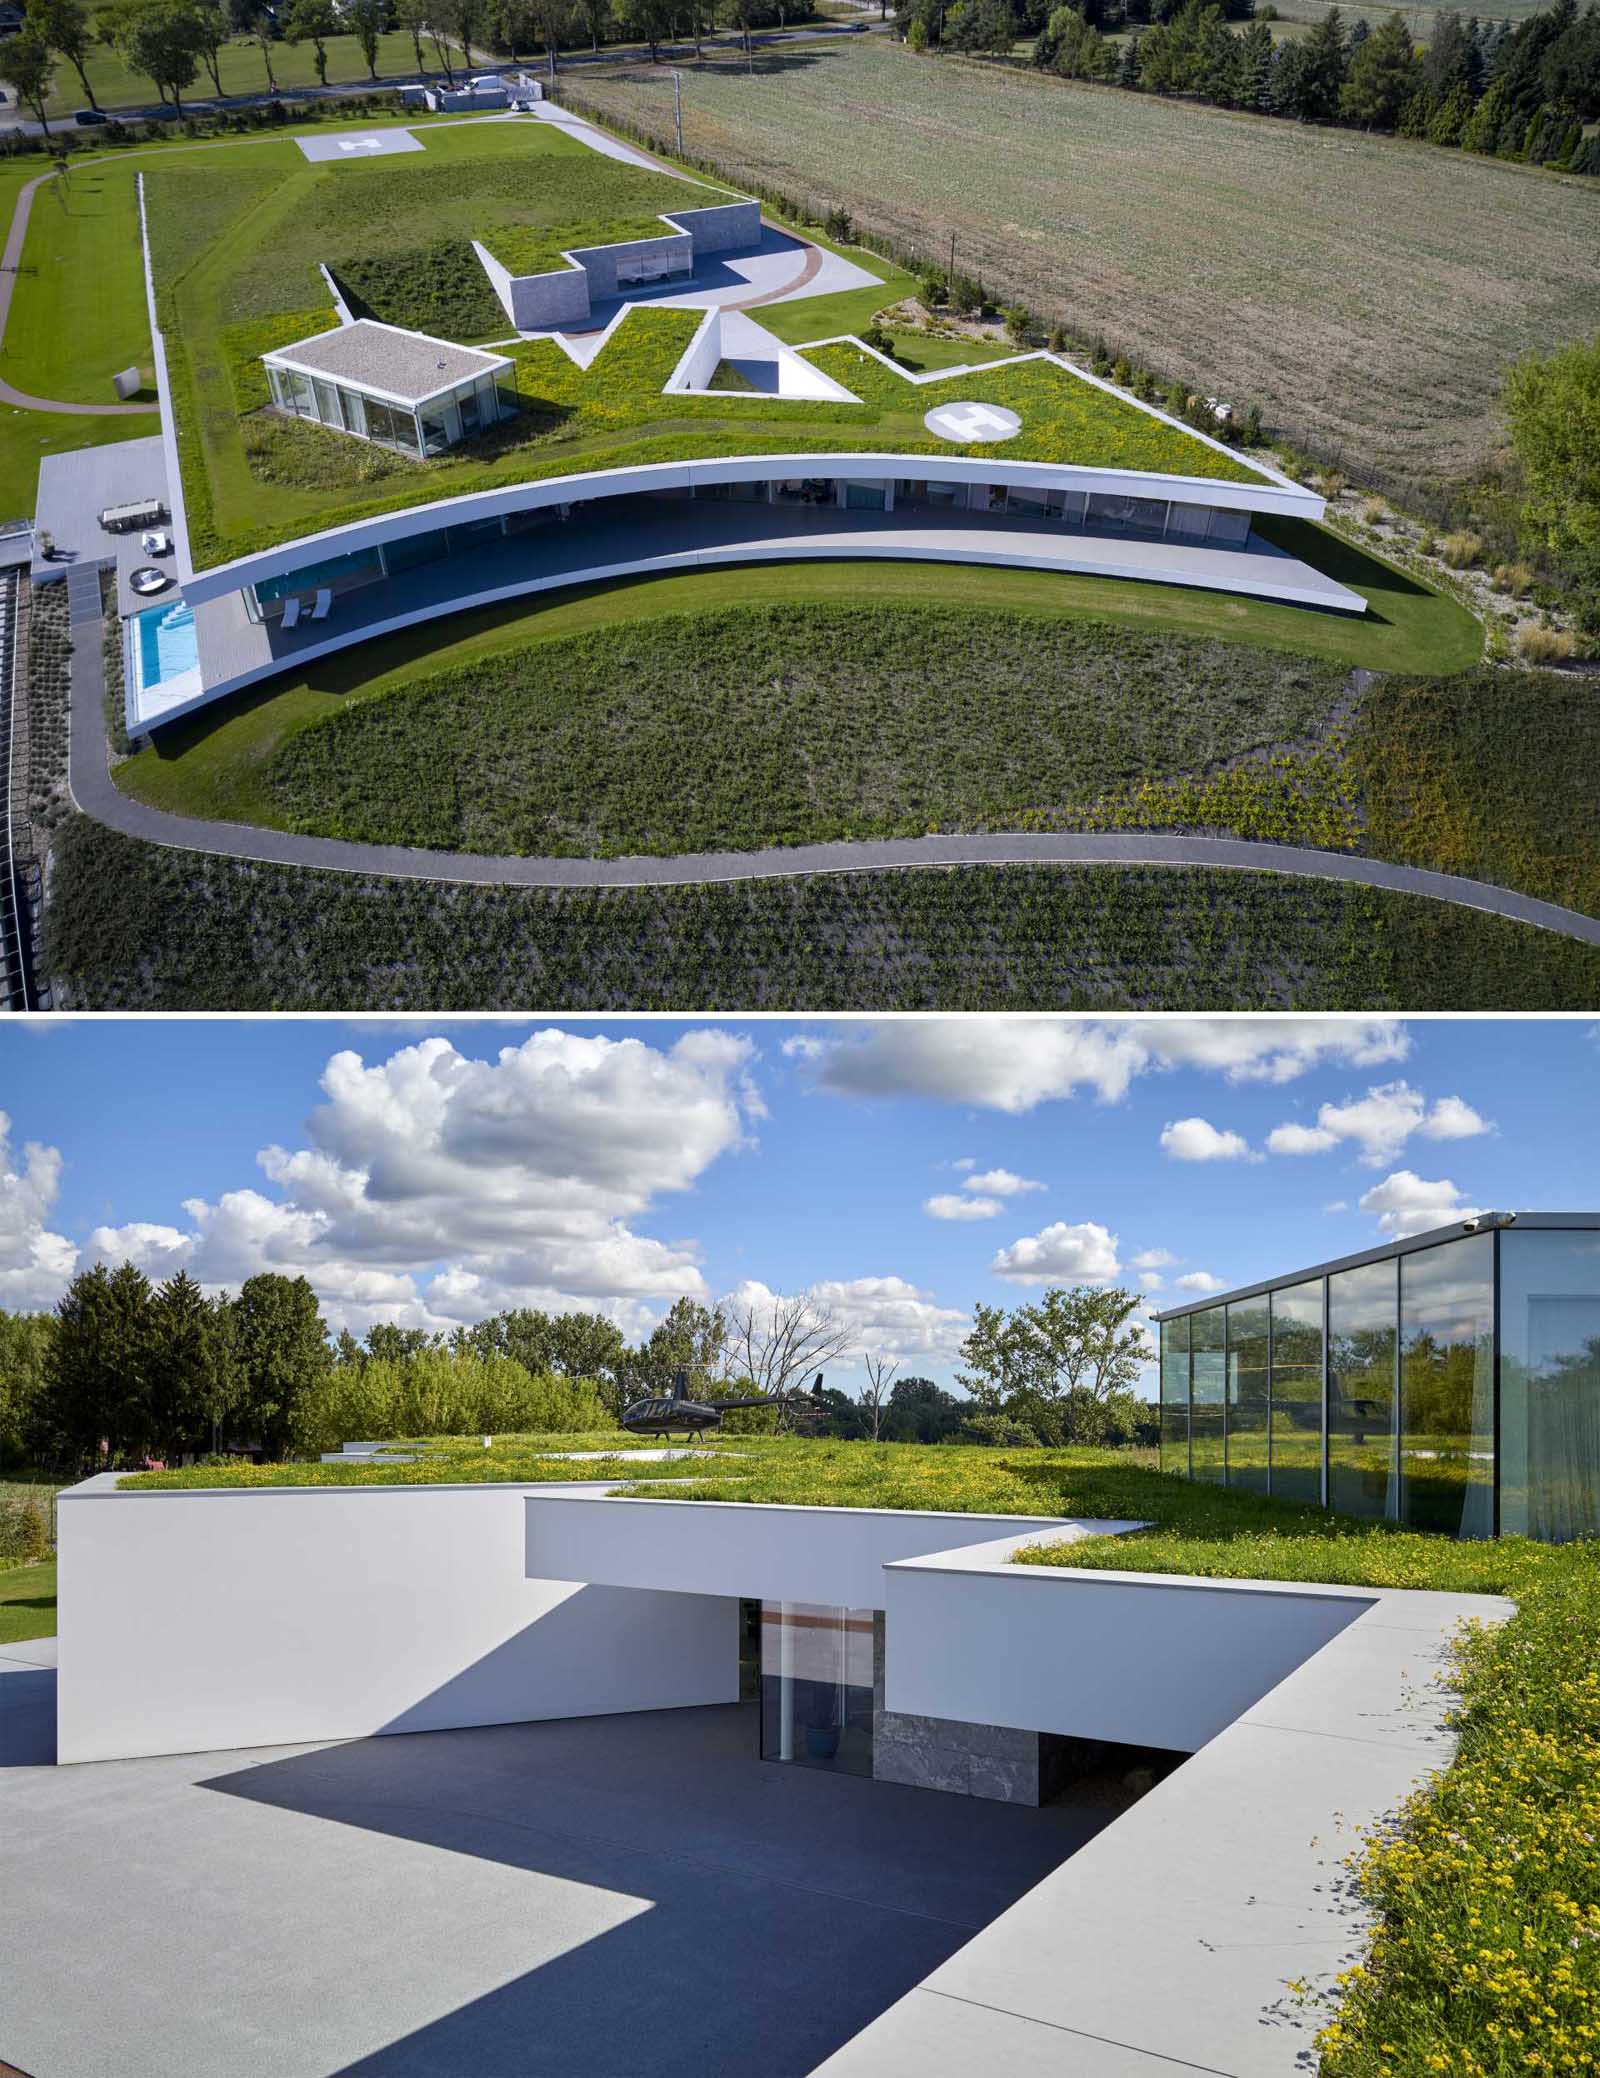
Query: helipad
x=968 y=423
x=358 y=144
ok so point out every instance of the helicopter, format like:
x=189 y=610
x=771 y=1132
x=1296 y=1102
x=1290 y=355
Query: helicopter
x=662 y=1414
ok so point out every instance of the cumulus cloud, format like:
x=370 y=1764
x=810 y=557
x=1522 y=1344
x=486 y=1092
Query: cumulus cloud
x=438 y=1188
x=34 y=1262
x=1199 y=1281
x=1154 y=1259
x=883 y=1316
x=1015 y=1063
x=1001 y=1183
x=1405 y=1203
x=1060 y=1254
x=952 y=1205
x=1197 y=1140
x=1380 y=1124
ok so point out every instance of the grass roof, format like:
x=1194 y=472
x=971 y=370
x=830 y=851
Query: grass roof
x=236 y=256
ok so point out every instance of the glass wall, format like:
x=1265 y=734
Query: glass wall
x=1247 y=1440
x=1550 y=1384
x=1363 y=1327
x=816 y=1686
x=1297 y=1392
x=1208 y=1378
x=1175 y=1396
x=1447 y=1388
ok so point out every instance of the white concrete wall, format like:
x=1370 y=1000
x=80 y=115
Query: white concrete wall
x=699 y=363
x=778 y=1554
x=721 y=227
x=1142 y=1659
x=197 y=1620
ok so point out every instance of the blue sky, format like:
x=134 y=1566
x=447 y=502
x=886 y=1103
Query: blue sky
x=431 y=1171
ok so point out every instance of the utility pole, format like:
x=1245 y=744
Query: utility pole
x=952 y=274
x=677 y=108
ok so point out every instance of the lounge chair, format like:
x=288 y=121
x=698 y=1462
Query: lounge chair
x=319 y=612
x=291 y=613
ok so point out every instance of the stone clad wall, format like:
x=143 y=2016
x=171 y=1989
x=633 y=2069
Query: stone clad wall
x=970 y=1760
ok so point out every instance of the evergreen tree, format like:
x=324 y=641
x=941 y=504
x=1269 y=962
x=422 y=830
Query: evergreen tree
x=1450 y=118
x=1128 y=63
x=1481 y=131
x=1446 y=61
x=283 y=1356
x=1253 y=77
x=95 y=1409
x=1383 y=77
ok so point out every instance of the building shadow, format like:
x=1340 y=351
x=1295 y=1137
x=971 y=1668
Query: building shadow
x=691 y=1909
x=27 y=1715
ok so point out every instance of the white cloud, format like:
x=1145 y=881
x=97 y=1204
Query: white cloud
x=1060 y=1254
x=1001 y=1183
x=1014 y=1063
x=1338 y=1205
x=885 y=1316
x=1380 y=1123
x=1405 y=1203
x=1154 y=1259
x=34 y=1262
x=1153 y=1281
x=1197 y=1140
x=439 y=1188
x=952 y=1205
x=1200 y=1281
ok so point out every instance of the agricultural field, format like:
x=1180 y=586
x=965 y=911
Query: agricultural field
x=138 y=927
x=1367 y=293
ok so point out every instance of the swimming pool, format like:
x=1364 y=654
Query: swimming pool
x=165 y=649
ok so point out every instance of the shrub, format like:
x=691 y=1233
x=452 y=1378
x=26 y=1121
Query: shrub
x=878 y=337
x=839 y=224
x=1058 y=340
x=1462 y=549
x=1018 y=323
x=1514 y=578
x=1374 y=511
x=1331 y=482
x=1538 y=644
x=1121 y=372
x=966 y=296
x=24 y=1529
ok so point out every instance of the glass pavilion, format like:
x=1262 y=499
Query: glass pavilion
x=399 y=389
x=1450 y=1381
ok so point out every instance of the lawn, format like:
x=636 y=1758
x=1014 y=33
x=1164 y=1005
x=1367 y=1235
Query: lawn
x=27 y=1602
x=1491 y=774
x=235 y=249
x=133 y=926
x=217 y=763
x=26 y=437
x=294 y=65
x=1366 y=292
x=78 y=311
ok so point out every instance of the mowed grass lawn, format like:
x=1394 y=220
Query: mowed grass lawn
x=1366 y=292
x=78 y=311
x=116 y=85
x=27 y=1602
x=224 y=764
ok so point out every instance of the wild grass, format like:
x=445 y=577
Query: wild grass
x=1366 y=292
x=138 y=927
x=786 y=725
x=1490 y=774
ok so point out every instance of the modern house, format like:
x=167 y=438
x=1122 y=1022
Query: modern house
x=399 y=389
x=1449 y=1381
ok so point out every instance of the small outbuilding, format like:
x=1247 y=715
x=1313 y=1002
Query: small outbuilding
x=401 y=389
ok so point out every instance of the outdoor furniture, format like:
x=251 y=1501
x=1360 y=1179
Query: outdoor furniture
x=156 y=543
x=291 y=613
x=319 y=612
x=149 y=579
x=123 y=519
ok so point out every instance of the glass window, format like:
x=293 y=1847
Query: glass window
x=355 y=412
x=1297 y=1392
x=817 y=1686
x=1363 y=1307
x=294 y=392
x=1550 y=1383
x=1447 y=1388
x=1229 y=529
x=439 y=428
x=327 y=404
x=1190 y=522
x=1175 y=1396
x=414 y=549
x=1247 y=1395
x=864 y=497
x=394 y=428
x=1074 y=507
x=1207 y=1343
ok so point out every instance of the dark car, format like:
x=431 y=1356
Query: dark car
x=86 y=118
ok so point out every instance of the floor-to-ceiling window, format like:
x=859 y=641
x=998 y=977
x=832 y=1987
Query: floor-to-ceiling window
x=1208 y=1358
x=1447 y=1387
x=816 y=1686
x=1175 y=1395
x=1550 y=1383
x=1247 y=1395
x=1363 y=1306
x=1297 y=1391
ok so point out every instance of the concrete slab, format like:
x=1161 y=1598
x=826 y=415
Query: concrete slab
x=588 y=1898
x=347 y=146
x=75 y=488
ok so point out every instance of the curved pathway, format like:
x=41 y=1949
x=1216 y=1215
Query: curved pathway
x=96 y=793
x=10 y=266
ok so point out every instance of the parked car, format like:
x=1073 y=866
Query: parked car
x=87 y=118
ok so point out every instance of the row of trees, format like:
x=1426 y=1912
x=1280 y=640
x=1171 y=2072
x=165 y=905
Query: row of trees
x=1523 y=91
x=126 y=1371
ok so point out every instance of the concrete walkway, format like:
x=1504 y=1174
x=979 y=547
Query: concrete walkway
x=10 y=264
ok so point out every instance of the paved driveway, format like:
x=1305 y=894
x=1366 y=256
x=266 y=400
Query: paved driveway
x=624 y=1897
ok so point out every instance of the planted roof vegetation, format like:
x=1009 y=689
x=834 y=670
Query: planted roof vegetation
x=1485 y=1891
x=235 y=255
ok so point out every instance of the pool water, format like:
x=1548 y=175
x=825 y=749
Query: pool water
x=164 y=645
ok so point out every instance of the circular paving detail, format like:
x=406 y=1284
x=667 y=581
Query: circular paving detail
x=968 y=423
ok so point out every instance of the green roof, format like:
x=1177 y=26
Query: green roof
x=235 y=258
